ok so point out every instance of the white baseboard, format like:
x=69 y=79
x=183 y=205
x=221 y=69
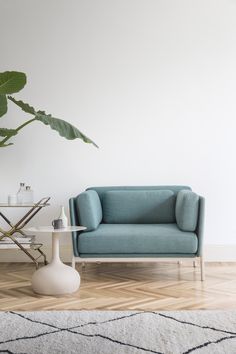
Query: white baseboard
x=19 y=256
x=212 y=253
x=220 y=253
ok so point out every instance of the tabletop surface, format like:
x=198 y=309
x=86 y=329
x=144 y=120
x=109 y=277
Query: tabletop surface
x=51 y=229
x=6 y=205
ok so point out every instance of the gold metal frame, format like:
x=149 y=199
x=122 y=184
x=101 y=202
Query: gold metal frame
x=17 y=228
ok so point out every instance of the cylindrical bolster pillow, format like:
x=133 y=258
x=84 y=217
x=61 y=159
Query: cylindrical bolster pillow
x=89 y=209
x=186 y=210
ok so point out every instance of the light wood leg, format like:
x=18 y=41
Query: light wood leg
x=194 y=264
x=202 y=269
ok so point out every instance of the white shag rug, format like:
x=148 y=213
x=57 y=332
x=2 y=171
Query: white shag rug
x=111 y=332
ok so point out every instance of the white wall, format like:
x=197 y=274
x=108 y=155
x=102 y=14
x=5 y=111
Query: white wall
x=153 y=82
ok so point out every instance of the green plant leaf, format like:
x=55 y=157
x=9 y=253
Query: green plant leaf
x=24 y=106
x=7 y=132
x=3 y=105
x=11 y=81
x=64 y=128
x=5 y=145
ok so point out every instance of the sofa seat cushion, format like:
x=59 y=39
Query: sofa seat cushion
x=139 y=207
x=137 y=239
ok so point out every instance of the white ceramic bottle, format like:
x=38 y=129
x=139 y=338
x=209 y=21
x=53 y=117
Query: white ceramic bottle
x=63 y=217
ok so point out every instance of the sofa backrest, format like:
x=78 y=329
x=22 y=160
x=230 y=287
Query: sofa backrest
x=138 y=204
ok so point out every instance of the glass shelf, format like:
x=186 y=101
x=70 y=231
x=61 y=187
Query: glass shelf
x=6 y=205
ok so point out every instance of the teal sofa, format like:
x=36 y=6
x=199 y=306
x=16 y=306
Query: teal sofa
x=138 y=223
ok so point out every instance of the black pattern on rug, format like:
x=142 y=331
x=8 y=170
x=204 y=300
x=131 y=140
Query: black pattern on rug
x=110 y=332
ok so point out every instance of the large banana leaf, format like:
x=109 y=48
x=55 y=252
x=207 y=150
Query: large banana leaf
x=3 y=105
x=24 y=106
x=64 y=128
x=11 y=81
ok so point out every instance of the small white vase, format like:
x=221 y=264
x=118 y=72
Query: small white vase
x=63 y=217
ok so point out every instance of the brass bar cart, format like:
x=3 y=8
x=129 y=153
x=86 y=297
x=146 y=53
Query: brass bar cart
x=20 y=224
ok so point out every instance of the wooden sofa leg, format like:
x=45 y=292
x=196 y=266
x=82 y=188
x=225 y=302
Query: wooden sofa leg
x=202 y=265
x=194 y=264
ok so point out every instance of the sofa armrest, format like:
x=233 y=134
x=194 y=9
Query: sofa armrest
x=89 y=209
x=85 y=210
x=200 y=225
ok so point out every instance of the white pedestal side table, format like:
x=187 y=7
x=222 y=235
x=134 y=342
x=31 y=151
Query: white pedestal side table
x=56 y=278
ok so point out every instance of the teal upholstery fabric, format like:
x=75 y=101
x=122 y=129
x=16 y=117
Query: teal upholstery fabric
x=139 y=207
x=186 y=210
x=137 y=239
x=101 y=190
x=89 y=209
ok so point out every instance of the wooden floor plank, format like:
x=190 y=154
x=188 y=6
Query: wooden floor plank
x=131 y=286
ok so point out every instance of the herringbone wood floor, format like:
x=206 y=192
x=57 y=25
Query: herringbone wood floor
x=131 y=286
